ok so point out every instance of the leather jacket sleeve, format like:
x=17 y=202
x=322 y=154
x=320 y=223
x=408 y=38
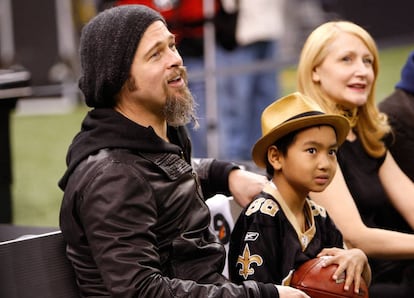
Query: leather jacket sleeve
x=213 y=175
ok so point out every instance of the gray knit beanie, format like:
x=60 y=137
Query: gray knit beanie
x=107 y=48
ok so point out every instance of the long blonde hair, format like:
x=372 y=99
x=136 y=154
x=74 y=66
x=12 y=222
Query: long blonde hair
x=370 y=124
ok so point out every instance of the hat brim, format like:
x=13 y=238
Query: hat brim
x=339 y=123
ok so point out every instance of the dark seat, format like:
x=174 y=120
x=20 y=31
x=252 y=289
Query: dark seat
x=36 y=266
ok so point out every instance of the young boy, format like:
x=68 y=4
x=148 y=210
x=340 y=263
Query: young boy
x=282 y=228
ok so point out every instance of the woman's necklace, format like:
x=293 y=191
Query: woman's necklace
x=350 y=114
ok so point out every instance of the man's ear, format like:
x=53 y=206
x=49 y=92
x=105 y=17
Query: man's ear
x=274 y=156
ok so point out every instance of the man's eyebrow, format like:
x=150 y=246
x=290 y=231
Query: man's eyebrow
x=152 y=48
x=170 y=38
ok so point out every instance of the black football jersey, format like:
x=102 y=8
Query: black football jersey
x=267 y=244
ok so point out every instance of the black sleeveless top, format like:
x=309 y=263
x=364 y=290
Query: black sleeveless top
x=361 y=175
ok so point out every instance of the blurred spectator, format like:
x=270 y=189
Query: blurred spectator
x=242 y=97
x=302 y=17
x=399 y=106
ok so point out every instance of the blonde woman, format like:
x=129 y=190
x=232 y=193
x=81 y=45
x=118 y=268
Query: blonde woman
x=373 y=203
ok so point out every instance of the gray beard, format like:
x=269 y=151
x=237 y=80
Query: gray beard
x=180 y=109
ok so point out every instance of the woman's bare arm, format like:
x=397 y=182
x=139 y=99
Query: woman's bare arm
x=380 y=243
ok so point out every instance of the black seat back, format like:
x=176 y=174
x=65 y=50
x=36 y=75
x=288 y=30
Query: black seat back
x=36 y=266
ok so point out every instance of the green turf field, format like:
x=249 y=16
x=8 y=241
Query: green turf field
x=39 y=145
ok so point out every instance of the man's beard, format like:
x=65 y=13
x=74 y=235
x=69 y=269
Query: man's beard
x=180 y=107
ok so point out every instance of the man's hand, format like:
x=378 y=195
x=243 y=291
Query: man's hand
x=289 y=292
x=244 y=185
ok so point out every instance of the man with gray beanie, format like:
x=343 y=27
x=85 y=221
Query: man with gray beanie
x=399 y=107
x=133 y=213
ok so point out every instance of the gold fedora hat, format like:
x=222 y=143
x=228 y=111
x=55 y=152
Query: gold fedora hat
x=293 y=112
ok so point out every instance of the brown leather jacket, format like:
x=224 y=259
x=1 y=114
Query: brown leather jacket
x=135 y=221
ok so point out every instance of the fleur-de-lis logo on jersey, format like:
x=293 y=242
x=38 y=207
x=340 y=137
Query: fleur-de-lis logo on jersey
x=246 y=260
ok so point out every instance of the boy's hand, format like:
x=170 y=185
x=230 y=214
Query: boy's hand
x=353 y=262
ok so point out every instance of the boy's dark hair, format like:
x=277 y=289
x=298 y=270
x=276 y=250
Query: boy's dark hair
x=282 y=145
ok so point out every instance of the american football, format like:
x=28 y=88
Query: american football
x=317 y=282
